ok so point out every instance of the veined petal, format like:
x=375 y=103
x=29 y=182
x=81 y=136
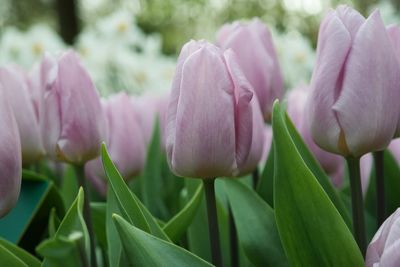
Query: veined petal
x=204 y=145
x=367 y=107
x=334 y=42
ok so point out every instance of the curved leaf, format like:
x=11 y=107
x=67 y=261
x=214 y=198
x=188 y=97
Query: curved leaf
x=130 y=206
x=143 y=249
x=255 y=223
x=177 y=226
x=20 y=253
x=10 y=259
x=312 y=230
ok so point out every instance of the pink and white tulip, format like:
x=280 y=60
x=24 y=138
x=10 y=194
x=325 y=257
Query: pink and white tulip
x=73 y=121
x=353 y=106
x=214 y=124
x=252 y=43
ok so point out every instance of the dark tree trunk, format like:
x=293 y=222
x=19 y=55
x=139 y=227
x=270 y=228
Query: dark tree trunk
x=68 y=19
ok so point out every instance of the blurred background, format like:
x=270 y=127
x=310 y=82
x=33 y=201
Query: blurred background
x=132 y=44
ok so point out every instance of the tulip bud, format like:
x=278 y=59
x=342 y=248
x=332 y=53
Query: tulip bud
x=384 y=248
x=73 y=122
x=353 y=106
x=148 y=108
x=296 y=108
x=267 y=143
x=212 y=126
x=394 y=35
x=255 y=52
x=14 y=85
x=394 y=148
x=125 y=142
x=10 y=157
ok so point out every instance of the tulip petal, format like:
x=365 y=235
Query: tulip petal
x=350 y=18
x=334 y=42
x=371 y=80
x=204 y=145
x=394 y=35
x=17 y=93
x=10 y=158
x=81 y=114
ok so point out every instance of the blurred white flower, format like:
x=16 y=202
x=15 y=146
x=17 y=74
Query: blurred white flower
x=25 y=48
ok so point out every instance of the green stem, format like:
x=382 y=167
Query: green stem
x=233 y=240
x=357 y=202
x=380 y=187
x=80 y=175
x=213 y=221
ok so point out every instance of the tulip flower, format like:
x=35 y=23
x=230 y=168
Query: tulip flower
x=10 y=157
x=14 y=85
x=214 y=125
x=394 y=148
x=124 y=140
x=296 y=108
x=252 y=43
x=148 y=108
x=353 y=106
x=73 y=122
x=267 y=144
x=394 y=34
x=384 y=248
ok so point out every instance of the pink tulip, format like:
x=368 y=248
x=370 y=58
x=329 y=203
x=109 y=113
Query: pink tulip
x=10 y=157
x=73 y=121
x=148 y=108
x=394 y=34
x=214 y=124
x=14 y=85
x=353 y=106
x=296 y=108
x=267 y=143
x=125 y=142
x=252 y=43
x=394 y=148
x=383 y=251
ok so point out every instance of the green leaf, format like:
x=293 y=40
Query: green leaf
x=10 y=259
x=54 y=222
x=316 y=169
x=266 y=184
x=113 y=243
x=130 y=206
x=255 y=223
x=21 y=254
x=311 y=229
x=143 y=249
x=178 y=225
x=70 y=245
x=152 y=182
x=98 y=210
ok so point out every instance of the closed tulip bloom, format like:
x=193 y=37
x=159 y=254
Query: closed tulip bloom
x=252 y=43
x=394 y=34
x=10 y=157
x=15 y=87
x=296 y=108
x=394 y=148
x=211 y=122
x=148 y=108
x=73 y=122
x=383 y=251
x=125 y=142
x=353 y=106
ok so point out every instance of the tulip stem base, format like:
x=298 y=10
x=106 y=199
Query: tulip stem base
x=233 y=240
x=357 y=202
x=213 y=221
x=380 y=187
x=80 y=175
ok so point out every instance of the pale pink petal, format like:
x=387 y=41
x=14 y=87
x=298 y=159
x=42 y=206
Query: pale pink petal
x=368 y=102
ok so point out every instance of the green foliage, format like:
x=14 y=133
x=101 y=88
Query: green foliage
x=311 y=229
x=9 y=248
x=255 y=223
x=143 y=249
